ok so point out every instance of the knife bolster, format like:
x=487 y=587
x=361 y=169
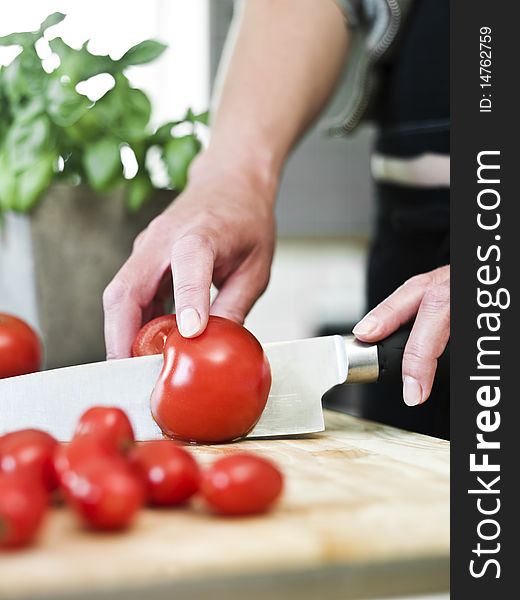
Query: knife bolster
x=362 y=360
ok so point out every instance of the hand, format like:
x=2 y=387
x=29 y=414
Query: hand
x=220 y=229
x=427 y=298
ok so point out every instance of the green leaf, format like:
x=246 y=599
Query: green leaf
x=51 y=20
x=24 y=77
x=7 y=182
x=163 y=133
x=178 y=154
x=64 y=105
x=34 y=181
x=102 y=164
x=142 y=53
x=80 y=65
x=140 y=190
x=26 y=140
x=202 y=117
x=26 y=38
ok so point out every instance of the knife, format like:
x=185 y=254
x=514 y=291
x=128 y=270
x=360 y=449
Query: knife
x=302 y=371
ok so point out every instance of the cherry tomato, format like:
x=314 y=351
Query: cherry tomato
x=22 y=508
x=70 y=456
x=105 y=494
x=20 y=348
x=110 y=423
x=30 y=452
x=212 y=388
x=171 y=473
x=152 y=336
x=241 y=484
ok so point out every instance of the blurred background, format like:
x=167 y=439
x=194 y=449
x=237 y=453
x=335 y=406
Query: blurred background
x=55 y=261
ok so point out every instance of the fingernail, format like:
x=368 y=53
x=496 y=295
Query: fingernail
x=366 y=326
x=412 y=391
x=189 y=322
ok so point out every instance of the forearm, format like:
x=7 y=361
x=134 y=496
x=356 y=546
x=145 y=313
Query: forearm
x=281 y=65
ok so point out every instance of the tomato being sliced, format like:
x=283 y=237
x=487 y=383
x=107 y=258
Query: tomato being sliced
x=22 y=508
x=20 y=347
x=109 y=422
x=30 y=452
x=171 y=473
x=152 y=336
x=214 y=387
x=241 y=484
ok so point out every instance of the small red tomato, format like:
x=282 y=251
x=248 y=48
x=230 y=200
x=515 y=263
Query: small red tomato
x=105 y=494
x=20 y=347
x=170 y=472
x=69 y=457
x=212 y=388
x=241 y=484
x=22 y=508
x=152 y=336
x=30 y=452
x=110 y=423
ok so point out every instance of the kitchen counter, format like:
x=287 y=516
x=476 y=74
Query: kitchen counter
x=365 y=514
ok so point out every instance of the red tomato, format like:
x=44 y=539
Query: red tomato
x=30 y=452
x=212 y=388
x=20 y=348
x=110 y=423
x=171 y=473
x=105 y=494
x=69 y=457
x=152 y=336
x=241 y=484
x=22 y=508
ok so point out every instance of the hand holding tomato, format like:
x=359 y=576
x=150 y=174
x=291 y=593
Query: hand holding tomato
x=20 y=348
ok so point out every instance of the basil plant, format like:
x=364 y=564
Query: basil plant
x=50 y=132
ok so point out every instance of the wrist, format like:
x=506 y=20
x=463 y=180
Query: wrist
x=253 y=168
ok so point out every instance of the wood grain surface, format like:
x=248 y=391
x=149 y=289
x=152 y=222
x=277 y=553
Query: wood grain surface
x=365 y=513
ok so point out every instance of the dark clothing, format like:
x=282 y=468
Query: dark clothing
x=412 y=228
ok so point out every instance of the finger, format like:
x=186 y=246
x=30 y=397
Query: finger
x=192 y=261
x=240 y=291
x=394 y=311
x=427 y=341
x=128 y=294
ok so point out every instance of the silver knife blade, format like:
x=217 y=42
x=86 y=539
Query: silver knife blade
x=53 y=400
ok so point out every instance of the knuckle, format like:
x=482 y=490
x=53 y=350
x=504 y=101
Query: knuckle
x=422 y=280
x=437 y=295
x=155 y=227
x=138 y=241
x=388 y=313
x=413 y=353
x=192 y=244
x=261 y=280
x=115 y=292
x=188 y=289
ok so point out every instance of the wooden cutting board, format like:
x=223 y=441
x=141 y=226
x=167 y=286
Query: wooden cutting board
x=365 y=513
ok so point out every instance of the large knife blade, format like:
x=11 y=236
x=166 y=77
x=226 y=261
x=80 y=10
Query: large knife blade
x=54 y=400
x=302 y=371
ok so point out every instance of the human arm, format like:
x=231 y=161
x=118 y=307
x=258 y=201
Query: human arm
x=285 y=60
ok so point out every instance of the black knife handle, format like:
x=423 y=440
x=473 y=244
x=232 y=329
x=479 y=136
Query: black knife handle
x=390 y=356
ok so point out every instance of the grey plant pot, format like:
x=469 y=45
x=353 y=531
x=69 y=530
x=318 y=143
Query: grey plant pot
x=80 y=240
